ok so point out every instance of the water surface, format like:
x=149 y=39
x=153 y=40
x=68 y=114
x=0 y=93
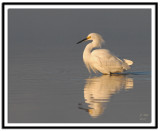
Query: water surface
x=48 y=82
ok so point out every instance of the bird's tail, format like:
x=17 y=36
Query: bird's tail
x=128 y=62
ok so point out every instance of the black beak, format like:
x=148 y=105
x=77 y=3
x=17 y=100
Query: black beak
x=81 y=41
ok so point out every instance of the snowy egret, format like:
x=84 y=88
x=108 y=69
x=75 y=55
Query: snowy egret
x=101 y=59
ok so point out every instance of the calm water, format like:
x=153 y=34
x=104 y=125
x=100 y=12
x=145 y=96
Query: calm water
x=48 y=81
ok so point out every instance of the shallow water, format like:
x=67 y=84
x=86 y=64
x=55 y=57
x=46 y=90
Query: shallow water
x=40 y=97
x=48 y=82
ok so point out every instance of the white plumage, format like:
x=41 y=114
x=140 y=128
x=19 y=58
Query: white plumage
x=102 y=60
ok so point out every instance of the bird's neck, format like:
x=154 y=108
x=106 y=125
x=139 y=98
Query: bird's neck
x=92 y=45
x=88 y=49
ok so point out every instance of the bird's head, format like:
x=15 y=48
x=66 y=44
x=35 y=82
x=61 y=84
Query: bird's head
x=94 y=37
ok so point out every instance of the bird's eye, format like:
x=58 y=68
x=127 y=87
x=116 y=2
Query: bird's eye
x=88 y=37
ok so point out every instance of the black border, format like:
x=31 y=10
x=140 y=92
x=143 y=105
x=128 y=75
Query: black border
x=70 y=3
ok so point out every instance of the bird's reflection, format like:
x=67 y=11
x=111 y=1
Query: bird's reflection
x=98 y=90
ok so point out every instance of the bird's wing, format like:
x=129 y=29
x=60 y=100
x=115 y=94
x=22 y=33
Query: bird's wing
x=104 y=58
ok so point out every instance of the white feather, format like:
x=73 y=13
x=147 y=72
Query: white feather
x=101 y=59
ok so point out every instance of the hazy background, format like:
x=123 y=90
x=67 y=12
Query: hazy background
x=46 y=71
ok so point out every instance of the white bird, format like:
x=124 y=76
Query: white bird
x=102 y=60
